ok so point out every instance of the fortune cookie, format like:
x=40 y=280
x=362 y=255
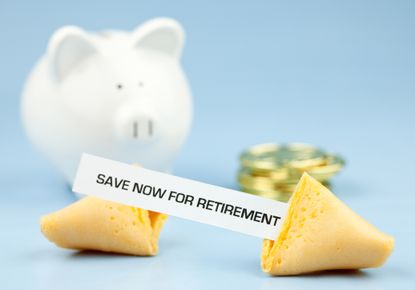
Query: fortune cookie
x=95 y=224
x=321 y=233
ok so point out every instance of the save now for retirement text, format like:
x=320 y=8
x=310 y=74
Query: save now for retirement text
x=188 y=199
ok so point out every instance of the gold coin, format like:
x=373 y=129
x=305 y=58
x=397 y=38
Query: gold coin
x=279 y=195
x=276 y=175
x=273 y=171
x=274 y=156
x=272 y=194
x=247 y=180
x=248 y=176
x=334 y=164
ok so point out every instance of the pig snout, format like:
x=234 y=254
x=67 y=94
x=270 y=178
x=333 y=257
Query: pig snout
x=139 y=127
x=135 y=125
x=148 y=128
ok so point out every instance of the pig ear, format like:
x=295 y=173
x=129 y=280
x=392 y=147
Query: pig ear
x=160 y=34
x=68 y=47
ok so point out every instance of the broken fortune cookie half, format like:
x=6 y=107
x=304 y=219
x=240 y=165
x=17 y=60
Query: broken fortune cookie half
x=95 y=224
x=321 y=233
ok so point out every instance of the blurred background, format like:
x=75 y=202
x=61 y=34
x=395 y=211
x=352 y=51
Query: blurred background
x=336 y=74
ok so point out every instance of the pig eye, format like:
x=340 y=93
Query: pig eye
x=140 y=84
x=119 y=86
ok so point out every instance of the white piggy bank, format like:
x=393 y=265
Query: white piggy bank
x=119 y=95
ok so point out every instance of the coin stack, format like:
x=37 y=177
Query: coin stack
x=272 y=170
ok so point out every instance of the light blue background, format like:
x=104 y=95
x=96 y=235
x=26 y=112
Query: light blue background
x=338 y=74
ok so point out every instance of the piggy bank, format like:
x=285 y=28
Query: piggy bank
x=115 y=94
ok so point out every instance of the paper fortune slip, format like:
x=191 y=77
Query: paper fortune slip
x=139 y=187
